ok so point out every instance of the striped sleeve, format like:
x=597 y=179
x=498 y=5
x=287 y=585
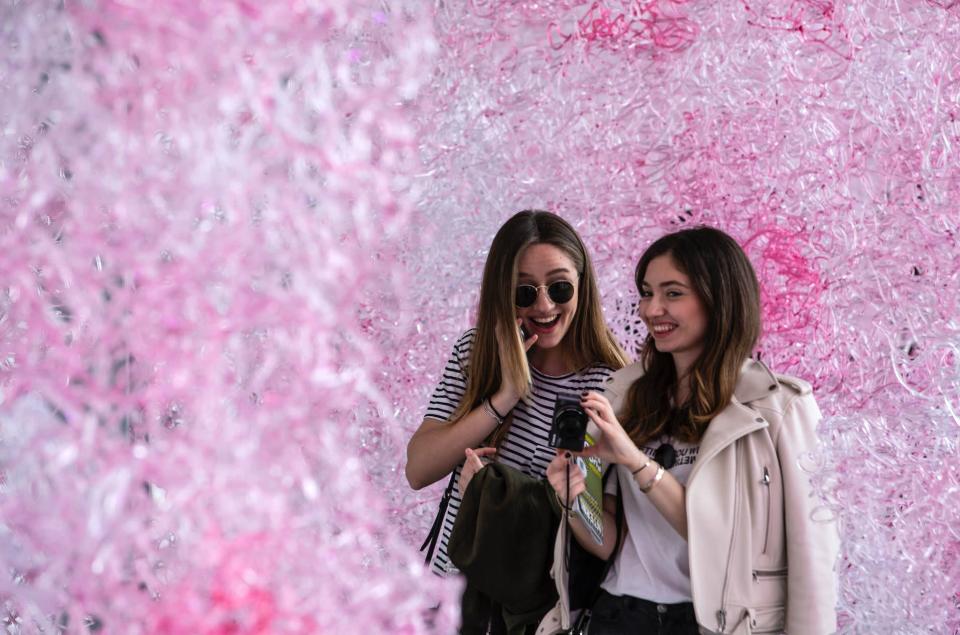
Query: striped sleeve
x=453 y=383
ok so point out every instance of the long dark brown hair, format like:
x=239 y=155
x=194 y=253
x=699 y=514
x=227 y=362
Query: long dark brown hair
x=588 y=341
x=726 y=284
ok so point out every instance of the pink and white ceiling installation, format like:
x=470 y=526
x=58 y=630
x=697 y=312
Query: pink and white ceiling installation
x=237 y=240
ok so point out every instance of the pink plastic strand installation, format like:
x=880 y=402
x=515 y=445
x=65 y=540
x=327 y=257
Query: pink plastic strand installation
x=238 y=239
x=196 y=197
x=825 y=136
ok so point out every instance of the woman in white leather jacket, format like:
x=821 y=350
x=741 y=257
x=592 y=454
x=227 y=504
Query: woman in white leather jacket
x=720 y=536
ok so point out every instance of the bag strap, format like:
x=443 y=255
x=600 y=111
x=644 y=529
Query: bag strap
x=493 y=440
x=618 y=517
x=434 y=536
x=618 y=523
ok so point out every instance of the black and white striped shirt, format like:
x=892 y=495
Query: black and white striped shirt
x=525 y=446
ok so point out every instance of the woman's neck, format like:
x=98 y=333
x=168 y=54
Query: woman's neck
x=550 y=361
x=683 y=391
x=683 y=381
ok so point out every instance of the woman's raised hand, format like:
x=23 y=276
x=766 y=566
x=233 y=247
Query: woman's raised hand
x=504 y=341
x=614 y=445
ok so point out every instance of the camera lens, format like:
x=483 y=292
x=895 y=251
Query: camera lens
x=568 y=422
x=569 y=425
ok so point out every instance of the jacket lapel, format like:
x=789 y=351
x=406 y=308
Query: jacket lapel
x=733 y=422
x=737 y=419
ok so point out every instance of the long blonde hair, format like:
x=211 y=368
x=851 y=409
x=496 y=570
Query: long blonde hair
x=725 y=282
x=588 y=341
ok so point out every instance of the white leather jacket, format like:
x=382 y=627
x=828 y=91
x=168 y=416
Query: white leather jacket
x=758 y=562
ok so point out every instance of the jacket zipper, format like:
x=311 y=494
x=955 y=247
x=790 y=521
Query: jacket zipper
x=722 y=613
x=766 y=488
x=776 y=573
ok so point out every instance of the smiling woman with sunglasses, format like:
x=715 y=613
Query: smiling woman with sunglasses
x=500 y=382
x=720 y=535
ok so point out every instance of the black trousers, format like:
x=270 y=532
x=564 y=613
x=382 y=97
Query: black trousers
x=626 y=615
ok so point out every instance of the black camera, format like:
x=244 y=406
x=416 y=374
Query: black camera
x=569 y=427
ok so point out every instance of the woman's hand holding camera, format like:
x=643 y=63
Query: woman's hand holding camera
x=557 y=476
x=614 y=445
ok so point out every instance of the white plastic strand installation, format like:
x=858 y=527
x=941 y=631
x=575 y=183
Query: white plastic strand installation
x=238 y=239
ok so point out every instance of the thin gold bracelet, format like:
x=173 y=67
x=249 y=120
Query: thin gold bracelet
x=642 y=467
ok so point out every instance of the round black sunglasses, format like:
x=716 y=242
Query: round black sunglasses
x=559 y=292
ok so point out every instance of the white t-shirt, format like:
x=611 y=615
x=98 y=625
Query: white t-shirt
x=525 y=446
x=653 y=562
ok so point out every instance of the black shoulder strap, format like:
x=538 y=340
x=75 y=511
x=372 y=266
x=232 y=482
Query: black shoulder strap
x=586 y=571
x=434 y=536
x=618 y=523
x=430 y=544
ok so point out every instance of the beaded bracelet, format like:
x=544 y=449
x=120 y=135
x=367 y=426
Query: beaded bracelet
x=488 y=407
x=499 y=416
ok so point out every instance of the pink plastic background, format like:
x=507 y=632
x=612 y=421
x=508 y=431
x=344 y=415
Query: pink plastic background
x=238 y=239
